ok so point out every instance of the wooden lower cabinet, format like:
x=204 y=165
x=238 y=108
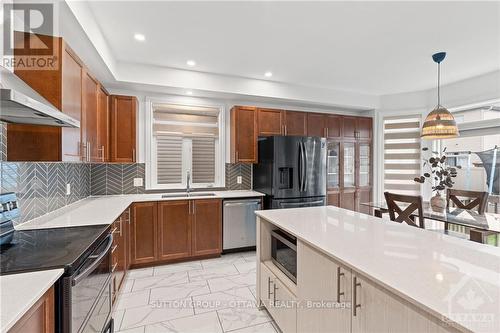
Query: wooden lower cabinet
x=207 y=227
x=40 y=318
x=143 y=233
x=174 y=229
x=119 y=252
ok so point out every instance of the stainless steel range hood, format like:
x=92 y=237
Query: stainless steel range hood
x=20 y=104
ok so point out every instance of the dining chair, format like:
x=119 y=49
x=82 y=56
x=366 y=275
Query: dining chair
x=406 y=214
x=478 y=199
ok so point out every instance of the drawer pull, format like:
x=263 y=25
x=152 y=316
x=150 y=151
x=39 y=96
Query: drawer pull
x=339 y=293
x=114 y=248
x=269 y=287
x=354 y=296
x=114 y=268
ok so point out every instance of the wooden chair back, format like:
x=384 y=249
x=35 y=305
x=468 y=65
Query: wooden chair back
x=405 y=215
x=479 y=199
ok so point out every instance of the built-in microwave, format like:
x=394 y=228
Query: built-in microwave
x=284 y=253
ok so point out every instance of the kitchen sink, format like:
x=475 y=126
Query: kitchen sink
x=187 y=195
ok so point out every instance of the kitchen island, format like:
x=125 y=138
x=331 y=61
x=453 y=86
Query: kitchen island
x=358 y=273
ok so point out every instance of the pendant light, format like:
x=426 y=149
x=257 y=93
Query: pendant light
x=439 y=123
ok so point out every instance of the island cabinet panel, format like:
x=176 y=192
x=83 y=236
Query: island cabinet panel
x=123 y=128
x=270 y=122
x=207 y=226
x=322 y=280
x=143 y=233
x=40 y=318
x=174 y=229
x=295 y=123
x=244 y=134
x=278 y=300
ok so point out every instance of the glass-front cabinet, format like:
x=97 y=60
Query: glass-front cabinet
x=333 y=165
x=349 y=173
x=364 y=165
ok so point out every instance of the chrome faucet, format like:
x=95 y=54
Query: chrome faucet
x=188 y=179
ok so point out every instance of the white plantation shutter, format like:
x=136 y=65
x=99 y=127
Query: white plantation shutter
x=185 y=140
x=402 y=158
x=203 y=166
x=169 y=159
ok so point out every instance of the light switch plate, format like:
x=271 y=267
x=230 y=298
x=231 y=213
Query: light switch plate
x=68 y=189
x=239 y=180
x=137 y=182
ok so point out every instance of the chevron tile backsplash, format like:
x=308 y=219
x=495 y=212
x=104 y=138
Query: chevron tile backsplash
x=235 y=170
x=41 y=187
x=3 y=142
x=111 y=178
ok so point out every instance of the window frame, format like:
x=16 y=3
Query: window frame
x=151 y=162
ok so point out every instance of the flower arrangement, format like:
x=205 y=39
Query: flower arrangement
x=440 y=174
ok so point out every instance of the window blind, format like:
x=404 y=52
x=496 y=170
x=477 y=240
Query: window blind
x=402 y=158
x=177 y=120
x=203 y=165
x=169 y=159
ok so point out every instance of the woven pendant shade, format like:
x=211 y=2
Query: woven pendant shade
x=439 y=124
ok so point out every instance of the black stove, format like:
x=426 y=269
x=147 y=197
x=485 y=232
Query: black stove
x=42 y=249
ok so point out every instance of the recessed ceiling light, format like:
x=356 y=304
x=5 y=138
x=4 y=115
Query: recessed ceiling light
x=268 y=74
x=191 y=63
x=189 y=92
x=140 y=37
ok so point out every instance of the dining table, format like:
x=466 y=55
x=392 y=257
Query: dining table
x=481 y=226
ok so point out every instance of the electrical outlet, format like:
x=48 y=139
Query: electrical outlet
x=138 y=182
x=239 y=180
x=68 y=189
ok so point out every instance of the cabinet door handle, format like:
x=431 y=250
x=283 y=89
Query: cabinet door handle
x=194 y=207
x=339 y=293
x=89 y=152
x=102 y=151
x=133 y=154
x=237 y=157
x=274 y=294
x=356 y=284
x=285 y=130
x=269 y=287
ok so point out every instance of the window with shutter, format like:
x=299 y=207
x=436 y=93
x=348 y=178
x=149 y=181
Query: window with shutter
x=402 y=159
x=185 y=140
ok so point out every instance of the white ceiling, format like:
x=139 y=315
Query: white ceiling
x=365 y=47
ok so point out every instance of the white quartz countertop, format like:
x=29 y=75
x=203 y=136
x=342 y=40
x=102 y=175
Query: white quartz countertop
x=106 y=209
x=19 y=292
x=449 y=277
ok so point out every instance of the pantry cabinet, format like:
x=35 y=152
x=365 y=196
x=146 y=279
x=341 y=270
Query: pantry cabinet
x=123 y=128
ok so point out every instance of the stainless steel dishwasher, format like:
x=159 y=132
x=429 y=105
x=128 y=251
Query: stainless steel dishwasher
x=239 y=223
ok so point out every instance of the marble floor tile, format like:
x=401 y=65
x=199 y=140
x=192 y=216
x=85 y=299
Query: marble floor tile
x=118 y=317
x=166 y=279
x=261 y=328
x=179 y=291
x=231 y=282
x=180 y=267
x=133 y=330
x=225 y=259
x=133 y=299
x=212 y=272
x=236 y=318
x=127 y=285
x=140 y=272
x=246 y=267
x=234 y=298
x=149 y=314
x=253 y=289
x=202 y=323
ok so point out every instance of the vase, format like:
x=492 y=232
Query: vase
x=438 y=203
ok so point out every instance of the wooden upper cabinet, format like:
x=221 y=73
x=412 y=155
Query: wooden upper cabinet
x=316 y=124
x=174 y=229
x=89 y=118
x=123 y=128
x=40 y=318
x=207 y=227
x=349 y=127
x=71 y=105
x=270 y=122
x=103 y=125
x=295 y=123
x=334 y=126
x=243 y=134
x=364 y=127
x=143 y=233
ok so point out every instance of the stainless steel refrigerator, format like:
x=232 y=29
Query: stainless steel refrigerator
x=291 y=171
